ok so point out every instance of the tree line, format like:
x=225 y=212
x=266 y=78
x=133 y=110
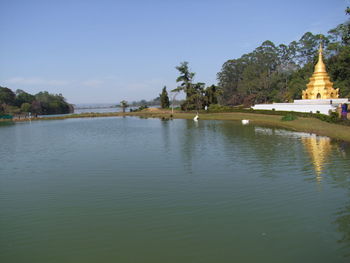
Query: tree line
x=41 y=103
x=280 y=73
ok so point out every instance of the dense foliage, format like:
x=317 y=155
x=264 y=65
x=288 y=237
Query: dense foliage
x=41 y=103
x=280 y=73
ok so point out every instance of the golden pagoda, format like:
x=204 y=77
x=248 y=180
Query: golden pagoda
x=320 y=87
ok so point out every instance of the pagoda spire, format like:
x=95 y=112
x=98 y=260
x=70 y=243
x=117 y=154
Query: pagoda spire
x=320 y=67
x=320 y=86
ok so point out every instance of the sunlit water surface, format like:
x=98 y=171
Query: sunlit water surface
x=147 y=190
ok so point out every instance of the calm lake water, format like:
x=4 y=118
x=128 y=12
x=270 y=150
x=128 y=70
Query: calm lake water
x=147 y=190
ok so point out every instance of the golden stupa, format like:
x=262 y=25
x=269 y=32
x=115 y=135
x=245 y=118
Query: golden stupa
x=320 y=87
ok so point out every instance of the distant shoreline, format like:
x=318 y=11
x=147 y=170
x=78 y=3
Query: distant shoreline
x=310 y=125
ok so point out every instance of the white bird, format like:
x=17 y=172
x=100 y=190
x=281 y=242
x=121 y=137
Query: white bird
x=245 y=122
x=196 y=118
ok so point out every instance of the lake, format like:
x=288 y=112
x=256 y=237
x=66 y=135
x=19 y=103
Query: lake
x=146 y=190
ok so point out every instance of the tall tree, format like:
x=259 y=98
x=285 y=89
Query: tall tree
x=164 y=99
x=185 y=79
x=307 y=47
x=230 y=79
x=338 y=64
x=196 y=101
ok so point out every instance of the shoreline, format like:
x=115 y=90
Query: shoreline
x=309 y=125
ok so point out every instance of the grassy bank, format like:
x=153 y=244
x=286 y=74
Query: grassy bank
x=310 y=125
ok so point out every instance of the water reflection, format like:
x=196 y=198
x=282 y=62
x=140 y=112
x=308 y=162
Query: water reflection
x=6 y=123
x=253 y=146
x=189 y=142
x=265 y=150
x=166 y=135
x=318 y=148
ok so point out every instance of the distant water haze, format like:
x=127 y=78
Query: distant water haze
x=94 y=105
x=101 y=107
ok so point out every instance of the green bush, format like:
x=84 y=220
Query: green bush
x=332 y=118
x=289 y=117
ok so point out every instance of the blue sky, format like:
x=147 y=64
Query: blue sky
x=106 y=51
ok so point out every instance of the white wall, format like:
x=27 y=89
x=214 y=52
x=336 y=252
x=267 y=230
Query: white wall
x=324 y=109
